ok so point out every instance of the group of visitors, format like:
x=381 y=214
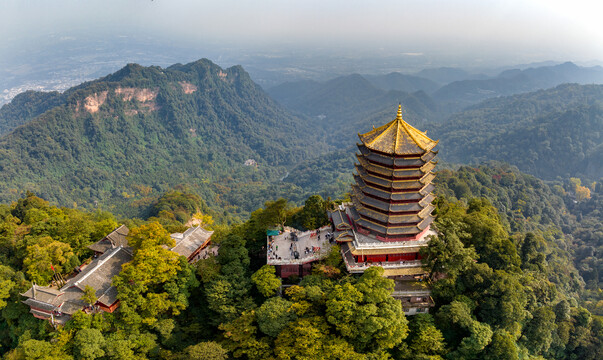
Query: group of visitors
x=312 y=250
x=272 y=249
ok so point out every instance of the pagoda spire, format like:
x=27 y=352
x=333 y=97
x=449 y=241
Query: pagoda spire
x=399 y=117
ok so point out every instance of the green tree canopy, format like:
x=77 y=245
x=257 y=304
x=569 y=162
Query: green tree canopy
x=266 y=281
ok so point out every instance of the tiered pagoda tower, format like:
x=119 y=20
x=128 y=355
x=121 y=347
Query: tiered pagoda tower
x=389 y=218
x=392 y=194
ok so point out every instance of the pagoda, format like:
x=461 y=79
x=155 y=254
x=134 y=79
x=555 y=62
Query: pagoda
x=390 y=215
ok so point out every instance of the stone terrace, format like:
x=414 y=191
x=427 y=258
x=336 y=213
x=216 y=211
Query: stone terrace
x=281 y=247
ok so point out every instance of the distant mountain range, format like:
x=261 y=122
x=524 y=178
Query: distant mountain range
x=446 y=75
x=449 y=89
x=459 y=94
x=143 y=130
x=122 y=140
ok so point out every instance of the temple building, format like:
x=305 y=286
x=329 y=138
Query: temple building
x=57 y=305
x=59 y=301
x=191 y=243
x=389 y=218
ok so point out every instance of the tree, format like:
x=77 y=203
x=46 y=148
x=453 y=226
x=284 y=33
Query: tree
x=207 y=350
x=228 y=293
x=148 y=236
x=32 y=349
x=304 y=339
x=366 y=314
x=119 y=348
x=266 y=281
x=471 y=346
x=562 y=311
x=88 y=344
x=502 y=301
x=446 y=253
x=424 y=339
x=532 y=257
x=156 y=281
x=314 y=214
x=181 y=204
x=489 y=237
x=241 y=338
x=6 y=284
x=538 y=332
x=274 y=315
x=89 y=296
x=502 y=347
x=203 y=219
x=582 y=193
x=45 y=254
x=275 y=212
x=462 y=331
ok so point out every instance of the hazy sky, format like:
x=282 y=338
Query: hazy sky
x=517 y=30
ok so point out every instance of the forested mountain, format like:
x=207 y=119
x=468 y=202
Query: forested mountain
x=459 y=94
x=555 y=210
x=445 y=90
x=143 y=130
x=27 y=106
x=326 y=175
x=344 y=106
x=548 y=133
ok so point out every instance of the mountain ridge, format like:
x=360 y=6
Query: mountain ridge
x=148 y=127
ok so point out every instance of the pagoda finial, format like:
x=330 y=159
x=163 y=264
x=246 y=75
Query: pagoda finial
x=399 y=117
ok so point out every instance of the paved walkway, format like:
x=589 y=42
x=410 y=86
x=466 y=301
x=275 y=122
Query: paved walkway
x=310 y=246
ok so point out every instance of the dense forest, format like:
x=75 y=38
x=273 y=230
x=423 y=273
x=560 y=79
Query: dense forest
x=512 y=290
x=90 y=145
x=549 y=133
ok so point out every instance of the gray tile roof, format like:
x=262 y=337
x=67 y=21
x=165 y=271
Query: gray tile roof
x=191 y=240
x=115 y=238
x=340 y=220
x=98 y=274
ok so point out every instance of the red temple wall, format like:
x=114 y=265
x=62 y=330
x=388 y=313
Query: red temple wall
x=111 y=308
x=285 y=271
x=387 y=257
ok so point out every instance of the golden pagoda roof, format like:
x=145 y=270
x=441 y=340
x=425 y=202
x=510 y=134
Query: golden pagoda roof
x=397 y=137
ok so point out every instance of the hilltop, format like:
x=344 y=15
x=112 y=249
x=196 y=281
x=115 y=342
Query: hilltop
x=548 y=133
x=140 y=131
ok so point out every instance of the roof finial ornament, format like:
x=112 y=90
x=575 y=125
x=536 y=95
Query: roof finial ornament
x=399 y=112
